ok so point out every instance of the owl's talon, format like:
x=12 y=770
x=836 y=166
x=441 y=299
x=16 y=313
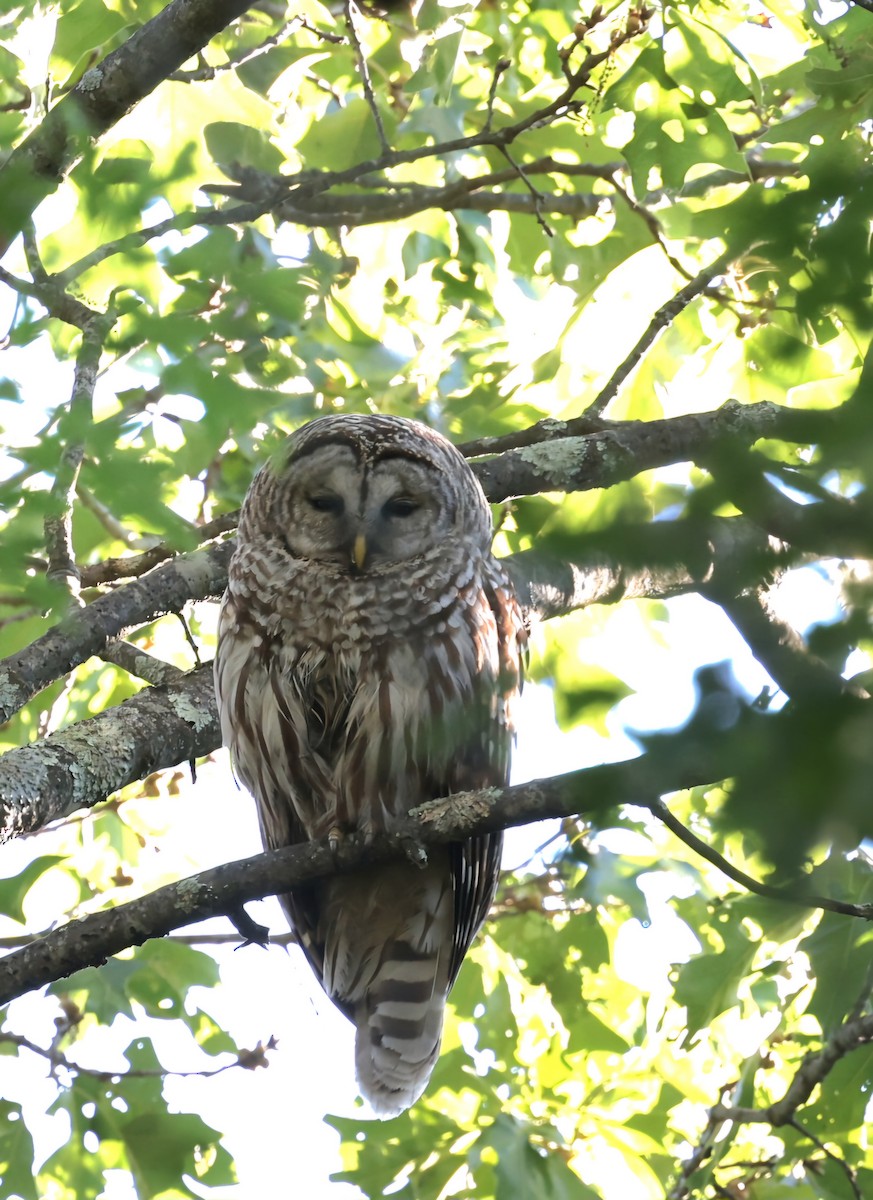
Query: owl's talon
x=335 y=839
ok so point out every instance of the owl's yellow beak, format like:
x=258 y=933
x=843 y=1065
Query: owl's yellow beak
x=359 y=551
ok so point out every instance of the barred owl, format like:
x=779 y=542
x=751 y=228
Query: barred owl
x=369 y=656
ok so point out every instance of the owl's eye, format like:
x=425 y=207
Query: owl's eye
x=400 y=506
x=326 y=503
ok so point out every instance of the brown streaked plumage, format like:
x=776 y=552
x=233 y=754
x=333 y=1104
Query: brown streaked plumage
x=369 y=656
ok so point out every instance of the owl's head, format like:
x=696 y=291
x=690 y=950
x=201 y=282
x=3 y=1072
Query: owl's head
x=367 y=491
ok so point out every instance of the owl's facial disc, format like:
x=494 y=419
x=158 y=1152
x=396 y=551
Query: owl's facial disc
x=363 y=515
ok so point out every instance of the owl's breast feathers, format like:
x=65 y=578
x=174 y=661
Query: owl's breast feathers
x=371 y=716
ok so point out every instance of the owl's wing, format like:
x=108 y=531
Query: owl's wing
x=484 y=762
x=475 y=872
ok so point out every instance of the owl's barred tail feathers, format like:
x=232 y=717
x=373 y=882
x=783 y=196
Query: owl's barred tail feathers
x=388 y=940
x=398 y=1037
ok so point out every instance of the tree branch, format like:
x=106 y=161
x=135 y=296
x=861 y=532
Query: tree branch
x=665 y=315
x=676 y=762
x=101 y=97
x=58 y=523
x=364 y=73
x=82 y=765
x=382 y=202
x=661 y=560
x=248 y=1059
x=556 y=458
x=779 y=648
x=815 y=1067
x=567 y=463
x=196 y=576
x=130 y=566
x=90 y=940
x=45 y=781
x=668 y=558
x=787 y=895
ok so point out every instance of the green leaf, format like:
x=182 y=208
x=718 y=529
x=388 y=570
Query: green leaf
x=167 y=968
x=130 y=1128
x=524 y=1169
x=342 y=138
x=16 y=1154
x=13 y=891
x=709 y=984
x=82 y=27
x=231 y=143
x=704 y=62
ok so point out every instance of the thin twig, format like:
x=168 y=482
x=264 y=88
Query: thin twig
x=384 y=203
x=189 y=637
x=814 y=1068
x=73 y=427
x=248 y=1059
x=849 y=1171
x=31 y=254
x=364 y=70
x=316 y=183
x=111 y=523
x=699 y=1155
x=652 y=224
x=538 y=197
x=787 y=895
x=206 y=72
x=500 y=67
x=132 y=566
x=664 y=317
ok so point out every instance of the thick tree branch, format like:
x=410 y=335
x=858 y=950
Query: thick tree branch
x=82 y=765
x=674 y=763
x=555 y=458
x=828 y=524
x=779 y=648
x=139 y=663
x=168 y=588
x=656 y=561
x=101 y=97
x=568 y=463
x=90 y=940
x=747 y=421
x=67 y=771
